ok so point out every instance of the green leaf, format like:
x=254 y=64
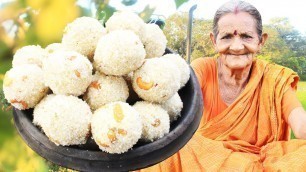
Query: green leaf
x=4 y=104
x=104 y=12
x=146 y=13
x=178 y=3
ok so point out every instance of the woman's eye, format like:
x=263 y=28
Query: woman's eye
x=227 y=37
x=246 y=36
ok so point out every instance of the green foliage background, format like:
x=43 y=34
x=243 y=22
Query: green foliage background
x=285 y=45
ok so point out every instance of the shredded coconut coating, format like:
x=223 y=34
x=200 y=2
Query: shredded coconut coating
x=64 y=119
x=182 y=65
x=157 y=80
x=155 y=120
x=106 y=89
x=67 y=72
x=116 y=127
x=154 y=41
x=23 y=86
x=82 y=35
x=118 y=53
x=31 y=54
x=128 y=21
x=51 y=48
x=173 y=106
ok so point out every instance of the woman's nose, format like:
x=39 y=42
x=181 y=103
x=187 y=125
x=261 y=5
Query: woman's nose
x=236 y=45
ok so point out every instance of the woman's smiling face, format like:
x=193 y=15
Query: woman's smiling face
x=237 y=41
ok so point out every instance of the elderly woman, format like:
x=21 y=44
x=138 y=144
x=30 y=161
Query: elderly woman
x=249 y=104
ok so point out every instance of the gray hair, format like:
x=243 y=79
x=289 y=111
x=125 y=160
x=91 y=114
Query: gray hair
x=235 y=6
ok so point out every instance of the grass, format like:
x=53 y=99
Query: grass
x=301 y=93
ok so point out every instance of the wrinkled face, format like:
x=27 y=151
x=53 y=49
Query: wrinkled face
x=237 y=41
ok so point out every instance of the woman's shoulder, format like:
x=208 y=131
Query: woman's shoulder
x=204 y=62
x=273 y=67
x=205 y=68
x=279 y=74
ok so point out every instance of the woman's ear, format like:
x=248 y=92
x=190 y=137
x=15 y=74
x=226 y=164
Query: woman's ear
x=264 y=37
x=213 y=39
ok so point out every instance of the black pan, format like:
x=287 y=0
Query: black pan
x=89 y=157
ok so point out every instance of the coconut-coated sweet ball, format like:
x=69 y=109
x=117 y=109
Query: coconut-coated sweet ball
x=157 y=80
x=31 y=54
x=118 y=53
x=106 y=89
x=116 y=127
x=154 y=41
x=173 y=106
x=182 y=65
x=64 y=119
x=126 y=20
x=23 y=86
x=67 y=72
x=51 y=48
x=82 y=35
x=155 y=120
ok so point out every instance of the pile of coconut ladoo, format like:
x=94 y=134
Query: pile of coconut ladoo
x=79 y=87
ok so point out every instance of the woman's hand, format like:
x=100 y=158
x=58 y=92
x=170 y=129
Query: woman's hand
x=297 y=122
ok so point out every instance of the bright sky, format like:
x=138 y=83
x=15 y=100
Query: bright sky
x=292 y=9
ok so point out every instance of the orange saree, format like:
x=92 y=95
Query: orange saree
x=249 y=135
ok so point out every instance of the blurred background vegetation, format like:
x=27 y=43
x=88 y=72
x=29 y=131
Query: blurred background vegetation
x=41 y=22
x=285 y=46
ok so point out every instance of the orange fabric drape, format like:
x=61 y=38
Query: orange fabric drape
x=250 y=134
